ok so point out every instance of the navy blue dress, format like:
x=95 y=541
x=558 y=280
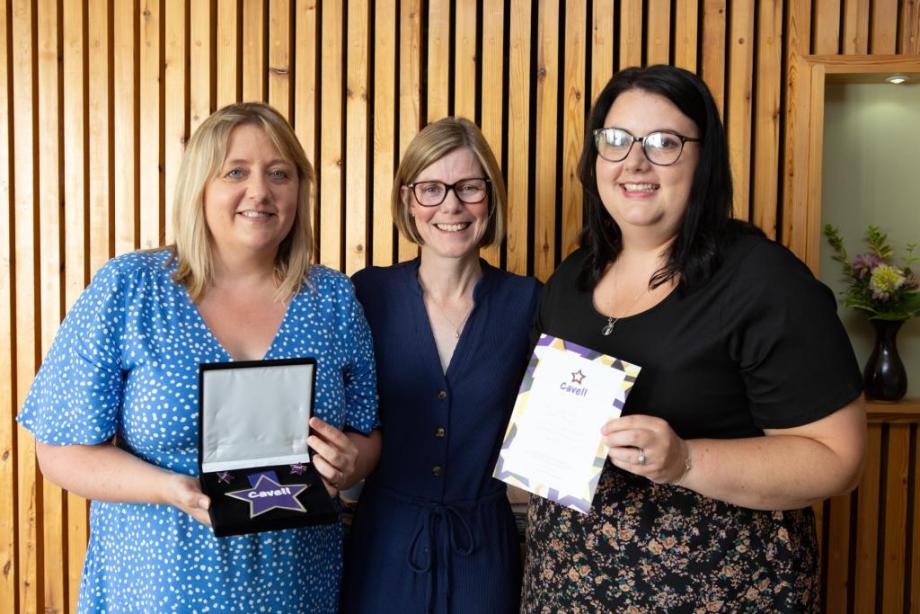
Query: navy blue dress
x=434 y=531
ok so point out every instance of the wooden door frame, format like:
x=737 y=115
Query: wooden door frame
x=805 y=89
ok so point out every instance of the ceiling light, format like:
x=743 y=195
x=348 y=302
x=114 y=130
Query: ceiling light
x=896 y=79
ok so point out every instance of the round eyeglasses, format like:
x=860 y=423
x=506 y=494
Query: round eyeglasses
x=468 y=191
x=661 y=148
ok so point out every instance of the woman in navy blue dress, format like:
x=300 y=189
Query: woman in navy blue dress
x=434 y=531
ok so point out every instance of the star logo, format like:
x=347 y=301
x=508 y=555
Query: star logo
x=224 y=477
x=268 y=494
x=298 y=469
x=578 y=377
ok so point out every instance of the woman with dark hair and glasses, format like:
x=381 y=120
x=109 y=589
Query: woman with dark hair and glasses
x=747 y=410
x=434 y=531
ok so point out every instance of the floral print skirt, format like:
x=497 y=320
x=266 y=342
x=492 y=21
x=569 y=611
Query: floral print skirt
x=648 y=547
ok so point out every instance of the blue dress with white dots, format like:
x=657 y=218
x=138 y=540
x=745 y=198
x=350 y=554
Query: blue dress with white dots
x=125 y=365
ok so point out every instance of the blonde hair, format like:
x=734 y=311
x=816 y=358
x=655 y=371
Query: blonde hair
x=204 y=156
x=435 y=141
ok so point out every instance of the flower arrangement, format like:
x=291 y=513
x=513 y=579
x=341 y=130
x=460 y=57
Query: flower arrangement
x=875 y=284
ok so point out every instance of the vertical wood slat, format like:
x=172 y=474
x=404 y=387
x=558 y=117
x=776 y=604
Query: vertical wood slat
x=99 y=112
x=437 y=57
x=658 y=44
x=884 y=32
x=797 y=86
x=518 y=127
x=465 y=60
x=76 y=252
x=279 y=56
x=330 y=161
x=914 y=597
x=686 y=35
x=811 y=253
x=305 y=48
x=630 y=33
x=713 y=60
x=228 y=48
x=27 y=297
x=856 y=27
x=305 y=88
x=356 y=115
x=767 y=121
x=176 y=107
x=410 y=47
x=8 y=509
x=547 y=88
x=53 y=510
x=740 y=84
x=253 y=50
x=603 y=40
x=200 y=24
x=909 y=36
x=837 y=552
x=573 y=126
x=895 y=521
x=384 y=143
x=867 y=535
x=125 y=109
x=492 y=69
x=826 y=23
x=149 y=138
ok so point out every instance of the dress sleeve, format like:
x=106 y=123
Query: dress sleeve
x=360 y=370
x=76 y=396
x=793 y=352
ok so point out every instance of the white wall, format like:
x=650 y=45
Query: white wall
x=872 y=176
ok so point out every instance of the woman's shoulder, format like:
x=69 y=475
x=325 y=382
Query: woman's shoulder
x=322 y=278
x=512 y=282
x=756 y=257
x=135 y=268
x=372 y=275
x=568 y=271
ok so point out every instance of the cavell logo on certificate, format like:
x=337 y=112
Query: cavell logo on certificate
x=553 y=446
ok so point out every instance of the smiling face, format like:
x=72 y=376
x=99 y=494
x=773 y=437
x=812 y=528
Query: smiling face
x=249 y=207
x=452 y=229
x=637 y=194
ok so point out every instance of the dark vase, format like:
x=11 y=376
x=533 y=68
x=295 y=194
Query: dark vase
x=885 y=376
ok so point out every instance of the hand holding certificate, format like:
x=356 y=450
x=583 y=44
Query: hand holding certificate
x=553 y=446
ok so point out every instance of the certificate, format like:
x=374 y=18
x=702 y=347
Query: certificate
x=553 y=445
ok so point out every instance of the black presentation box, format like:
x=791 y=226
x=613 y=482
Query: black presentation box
x=252 y=446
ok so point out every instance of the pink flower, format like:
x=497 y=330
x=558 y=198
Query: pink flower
x=864 y=263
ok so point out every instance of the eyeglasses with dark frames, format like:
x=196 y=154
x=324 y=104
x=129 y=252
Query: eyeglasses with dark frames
x=469 y=191
x=661 y=148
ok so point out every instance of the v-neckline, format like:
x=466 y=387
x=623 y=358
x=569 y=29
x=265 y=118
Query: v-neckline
x=431 y=345
x=220 y=346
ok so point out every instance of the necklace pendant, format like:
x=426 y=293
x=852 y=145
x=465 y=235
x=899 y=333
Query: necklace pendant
x=608 y=327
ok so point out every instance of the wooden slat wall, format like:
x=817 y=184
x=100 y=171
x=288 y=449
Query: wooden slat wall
x=98 y=97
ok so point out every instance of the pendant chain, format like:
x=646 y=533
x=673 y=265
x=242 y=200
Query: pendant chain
x=607 y=329
x=457 y=328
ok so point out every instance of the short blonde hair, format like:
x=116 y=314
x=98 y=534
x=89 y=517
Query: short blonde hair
x=435 y=141
x=202 y=161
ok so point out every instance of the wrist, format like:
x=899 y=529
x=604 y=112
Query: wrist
x=687 y=465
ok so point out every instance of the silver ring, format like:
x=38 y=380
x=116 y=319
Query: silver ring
x=641 y=459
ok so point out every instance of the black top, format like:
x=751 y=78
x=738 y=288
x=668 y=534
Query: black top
x=758 y=346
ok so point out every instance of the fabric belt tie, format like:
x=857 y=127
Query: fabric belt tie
x=443 y=530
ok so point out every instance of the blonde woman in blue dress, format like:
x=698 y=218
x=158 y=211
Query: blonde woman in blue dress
x=115 y=405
